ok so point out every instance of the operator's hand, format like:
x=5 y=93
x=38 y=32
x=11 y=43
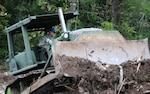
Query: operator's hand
x=49 y=41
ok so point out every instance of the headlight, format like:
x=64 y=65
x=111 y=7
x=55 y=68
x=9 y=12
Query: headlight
x=66 y=35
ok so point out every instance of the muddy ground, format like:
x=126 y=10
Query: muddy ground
x=98 y=78
x=5 y=79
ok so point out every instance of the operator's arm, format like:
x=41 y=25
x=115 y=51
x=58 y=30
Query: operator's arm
x=42 y=41
x=45 y=41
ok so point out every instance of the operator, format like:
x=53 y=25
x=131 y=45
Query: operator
x=46 y=40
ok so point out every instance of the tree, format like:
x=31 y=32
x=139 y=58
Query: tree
x=4 y=19
x=136 y=14
x=130 y=17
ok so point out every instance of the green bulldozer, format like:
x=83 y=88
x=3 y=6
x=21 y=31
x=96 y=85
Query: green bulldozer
x=32 y=71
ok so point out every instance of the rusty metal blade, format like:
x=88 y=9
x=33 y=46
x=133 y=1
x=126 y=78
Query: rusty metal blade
x=111 y=52
x=109 y=49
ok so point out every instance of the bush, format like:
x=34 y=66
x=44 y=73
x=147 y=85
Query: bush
x=107 y=25
x=127 y=31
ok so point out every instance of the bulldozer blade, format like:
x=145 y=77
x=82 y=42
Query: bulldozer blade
x=104 y=51
x=115 y=52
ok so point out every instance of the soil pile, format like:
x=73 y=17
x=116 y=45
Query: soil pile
x=97 y=78
x=5 y=79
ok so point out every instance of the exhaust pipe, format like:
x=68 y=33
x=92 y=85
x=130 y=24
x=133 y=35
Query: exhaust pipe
x=62 y=20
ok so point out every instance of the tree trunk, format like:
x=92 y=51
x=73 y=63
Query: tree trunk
x=116 y=11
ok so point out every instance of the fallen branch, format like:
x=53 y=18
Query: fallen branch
x=138 y=67
x=121 y=85
x=71 y=89
x=146 y=92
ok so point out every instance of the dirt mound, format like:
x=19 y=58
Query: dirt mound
x=5 y=79
x=97 y=78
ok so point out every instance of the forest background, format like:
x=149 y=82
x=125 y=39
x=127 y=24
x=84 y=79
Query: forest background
x=130 y=17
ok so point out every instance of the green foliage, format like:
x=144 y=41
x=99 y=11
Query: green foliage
x=76 y=23
x=4 y=19
x=3 y=53
x=136 y=13
x=20 y=9
x=130 y=17
x=127 y=31
x=9 y=91
x=18 y=42
x=34 y=37
x=107 y=25
x=92 y=12
x=89 y=13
